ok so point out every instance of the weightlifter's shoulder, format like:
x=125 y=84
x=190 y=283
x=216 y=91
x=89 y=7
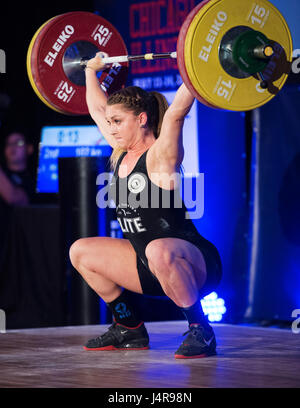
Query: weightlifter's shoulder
x=157 y=162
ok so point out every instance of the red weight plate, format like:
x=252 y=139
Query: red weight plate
x=180 y=54
x=57 y=38
x=40 y=85
x=32 y=64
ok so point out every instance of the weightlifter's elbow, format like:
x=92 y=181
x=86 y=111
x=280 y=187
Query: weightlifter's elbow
x=175 y=115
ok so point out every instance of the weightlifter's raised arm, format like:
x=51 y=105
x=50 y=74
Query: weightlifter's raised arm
x=169 y=145
x=96 y=98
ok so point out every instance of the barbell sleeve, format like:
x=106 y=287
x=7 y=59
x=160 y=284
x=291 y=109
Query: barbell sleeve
x=151 y=56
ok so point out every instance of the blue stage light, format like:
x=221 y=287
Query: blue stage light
x=213 y=307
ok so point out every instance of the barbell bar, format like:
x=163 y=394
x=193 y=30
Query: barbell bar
x=127 y=58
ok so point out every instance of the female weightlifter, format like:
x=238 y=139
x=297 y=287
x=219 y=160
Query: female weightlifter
x=162 y=253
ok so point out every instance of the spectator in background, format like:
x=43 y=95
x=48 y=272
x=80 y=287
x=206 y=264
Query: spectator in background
x=16 y=181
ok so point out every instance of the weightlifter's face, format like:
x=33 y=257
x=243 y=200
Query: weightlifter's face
x=124 y=125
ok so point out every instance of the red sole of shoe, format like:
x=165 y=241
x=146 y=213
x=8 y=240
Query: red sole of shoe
x=112 y=348
x=196 y=356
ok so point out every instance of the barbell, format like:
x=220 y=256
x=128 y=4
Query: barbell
x=231 y=54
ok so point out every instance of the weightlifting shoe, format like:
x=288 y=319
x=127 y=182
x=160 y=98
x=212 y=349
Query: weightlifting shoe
x=119 y=337
x=198 y=343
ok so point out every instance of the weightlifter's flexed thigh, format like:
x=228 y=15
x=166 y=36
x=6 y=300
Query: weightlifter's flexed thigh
x=107 y=265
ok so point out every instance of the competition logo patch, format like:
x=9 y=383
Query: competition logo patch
x=136 y=183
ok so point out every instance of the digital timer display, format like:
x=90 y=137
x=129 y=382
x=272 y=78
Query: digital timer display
x=66 y=141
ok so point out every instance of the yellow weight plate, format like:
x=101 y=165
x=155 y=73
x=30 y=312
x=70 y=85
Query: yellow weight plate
x=201 y=53
x=29 y=71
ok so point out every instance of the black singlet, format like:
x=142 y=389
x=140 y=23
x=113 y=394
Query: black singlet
x=147 y=212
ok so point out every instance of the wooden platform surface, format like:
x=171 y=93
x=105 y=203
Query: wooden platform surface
x=54 y=357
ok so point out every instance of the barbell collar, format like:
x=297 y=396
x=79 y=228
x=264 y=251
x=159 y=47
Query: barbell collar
x=263 y=52
x=263 y=82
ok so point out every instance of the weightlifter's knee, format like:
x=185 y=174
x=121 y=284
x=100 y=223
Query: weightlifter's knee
x=76 y=252
x=160 y=255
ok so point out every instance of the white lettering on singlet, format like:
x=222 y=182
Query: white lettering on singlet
x=131 y=225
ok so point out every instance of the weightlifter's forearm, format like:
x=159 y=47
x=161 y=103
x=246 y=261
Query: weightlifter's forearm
x=95 y=97
x=182 y=102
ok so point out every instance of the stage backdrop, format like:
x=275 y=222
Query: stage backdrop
x=274 y=279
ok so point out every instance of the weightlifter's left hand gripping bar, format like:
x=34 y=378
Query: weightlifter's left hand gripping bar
x=126 y=58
